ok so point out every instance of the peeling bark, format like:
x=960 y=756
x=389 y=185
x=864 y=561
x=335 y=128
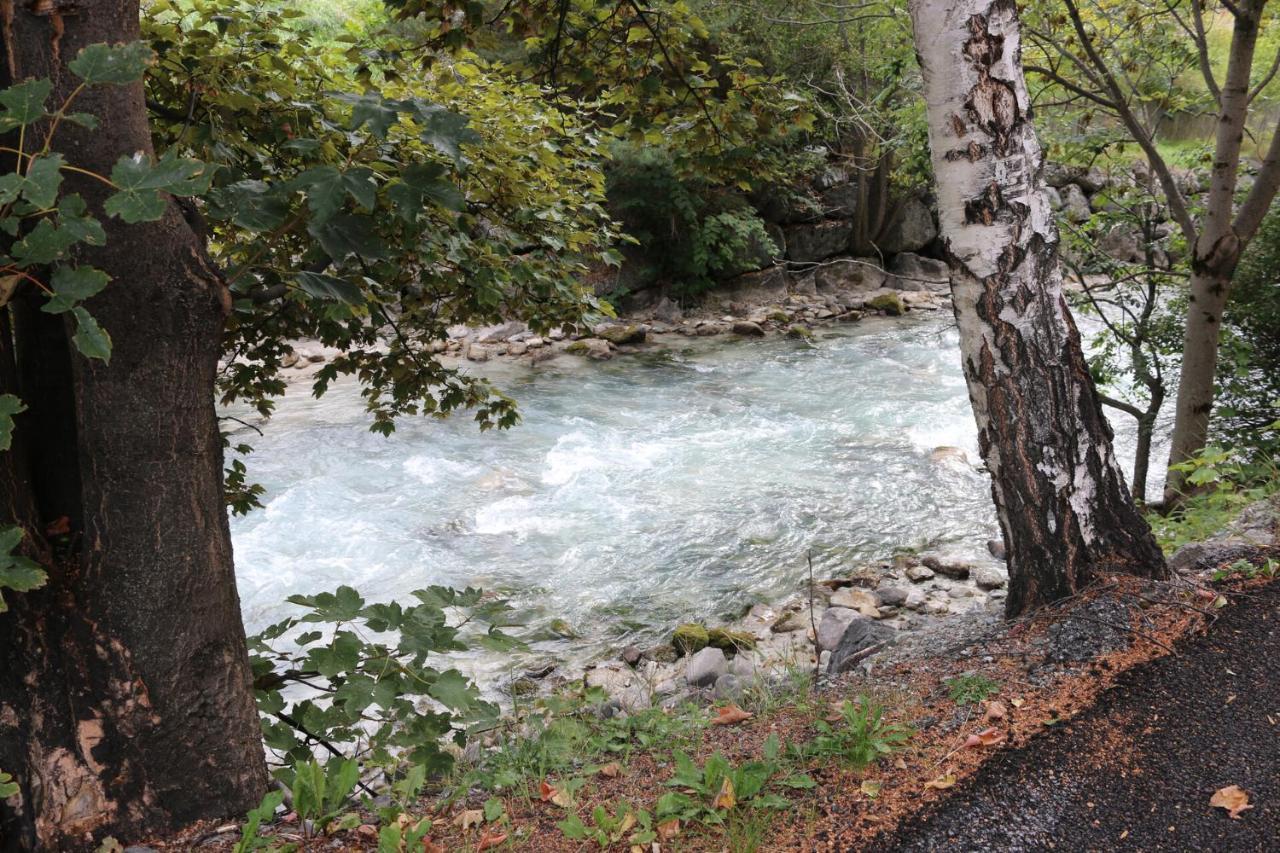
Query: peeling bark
x=1064 y=509
x=126 y=705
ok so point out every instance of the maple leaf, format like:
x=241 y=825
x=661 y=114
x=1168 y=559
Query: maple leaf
x=942 y=782
x=490 y=839
x=469 y=818
x=725 y=799
x=1232 y=798
x=557 y=796
x=729 y=715
x=986 y=737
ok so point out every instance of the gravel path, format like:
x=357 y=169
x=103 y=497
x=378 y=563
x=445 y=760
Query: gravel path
x=1136 y=771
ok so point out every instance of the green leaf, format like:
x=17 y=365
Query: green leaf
x=328 y=187
x=9 y=406
x=16 y=571
x=445 y=131
x=90 y=338
x=73 y=220
x=421 y=183
x=323 y=286
x=8 y=787
x=72 y=285
x=573 y=828
x=253 y=205
x=350 y=234
x=140 y=182
x=43 y=245
x=23 y=103
x=374 y=110
x=112 y=64
x=452 y=690
x=44 y=176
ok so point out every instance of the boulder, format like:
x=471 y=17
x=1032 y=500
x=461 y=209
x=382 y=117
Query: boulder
x=805 y=284
x=1055 y=198
x=594 y=348
x=690 y=638
x=860 y=636
x=500 y=332
x=478 y=352
x=849 y=274
x=946 y=455
x=767 y=285
x=989 y=577
x=840 y=201
x=1122 y=243
x=813 y=242
x=743 y=667
x=995 y=547
x=748 y=329
x=728 y=686
x=1076 y=204
x=631 y=656
x=730 y=641
x=911 y=230
x=866 y=603
x=667 y=311
x=800 y=332
x=892 y=596
x=919 y=574
x=706 y=667
x=956 y=571
x=1092 y=180
x=1058 y=175
x=832 y=626
x=618 y=335
x=913 y=272
x=889 y=303
x=829 y=177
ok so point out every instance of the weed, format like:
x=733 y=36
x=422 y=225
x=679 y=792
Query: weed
x=711 y=792
x=970 y=689
x=608 y=829
x=862 y=738
x=1269 y=568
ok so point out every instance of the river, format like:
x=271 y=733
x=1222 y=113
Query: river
x=683 y=484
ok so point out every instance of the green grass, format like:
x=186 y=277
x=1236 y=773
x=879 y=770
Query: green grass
x=971 y=689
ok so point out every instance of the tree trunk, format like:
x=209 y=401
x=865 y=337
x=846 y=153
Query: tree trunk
x=126 y=705
x=1063 y=506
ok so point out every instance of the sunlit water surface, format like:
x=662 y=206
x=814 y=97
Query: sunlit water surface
x=673 y=486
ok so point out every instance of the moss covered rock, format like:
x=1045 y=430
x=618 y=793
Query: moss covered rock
x=730 y=641
x=690 y=638
x=801 y=332
x=889 y=303
x=618 y=335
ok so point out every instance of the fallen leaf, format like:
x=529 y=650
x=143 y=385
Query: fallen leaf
x=1232 y=798
x=368 y=830
x=942 y=782
x=996 y=710
x=725 y=799
x=627 y=822
x=1017 y=703
x=729 y=714
x=986 y=737
x=1220 y=602
x=556 y=796
x=900 y=764
x=429 y=846
x=870 y=787
x=469 y=818
x=610 y=770
x=490 y=840
x=669 y=828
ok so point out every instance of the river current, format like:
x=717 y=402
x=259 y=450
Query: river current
x=678 y=485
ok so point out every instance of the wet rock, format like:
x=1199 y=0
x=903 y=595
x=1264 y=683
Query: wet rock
x=889 y=303
x=478 y=353
x=764 y=286
x=706 y=667
x=860 y=635
x=989 y=577
x=728 y=686
x=289 y=360
x=748 y=329
x=919 y=574
x=631 y=656
x=833 y=625
x=620 y=335
x=812 y=242
x=729 y=640
x=562 y=628
x=911 y=230
x=849 y=275
x=995 y=547
x=892 y=596
x=948 y=455
x=915 y=273
x=593 y=348
x=690 y=638
x=866 y=603
x=500 y=332
x=797 y=621
x=957 y=571
x=800 y=332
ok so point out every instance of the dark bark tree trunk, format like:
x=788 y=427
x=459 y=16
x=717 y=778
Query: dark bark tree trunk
x=1063 y=506
x=126 y=705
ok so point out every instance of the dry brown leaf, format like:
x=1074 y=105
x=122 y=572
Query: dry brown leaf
x=1017 y=703
x=725 y=799
x=870 y=787
x=900 y=764
x=429 y=846
x=942 y=782
x=469 y=818
x=490 y=839
x=986 y=737
x=627 y=822
x=669 y=828
x=996 y=710
x=729 y=715
x=556 y=796
x=610 y=770
x=1232 y=798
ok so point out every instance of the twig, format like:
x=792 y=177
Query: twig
x=813 y=623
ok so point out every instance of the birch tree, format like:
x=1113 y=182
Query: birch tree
x=1076 y=42
x=1063 y=506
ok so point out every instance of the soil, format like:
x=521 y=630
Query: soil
x=1136 y=770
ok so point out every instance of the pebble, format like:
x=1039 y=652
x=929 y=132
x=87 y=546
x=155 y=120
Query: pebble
x=919 y=574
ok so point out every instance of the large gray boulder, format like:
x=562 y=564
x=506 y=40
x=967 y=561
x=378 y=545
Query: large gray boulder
x=831 y=627
x=840 y=201
x=1058 y=175
x=706 y=667
x=1253 y=533
x=913 y=272
x=817 y=241
x=911 y=230
x=856 y=274
x=860 y=636
x=766 y=285
x=1075 y=203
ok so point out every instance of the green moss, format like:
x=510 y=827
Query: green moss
x=690 y=638
x=618 y=335
x=577 y=348
x=798 y=331
x=780 y=317
x=889 y=303
x=562 y=628
x=730 y=641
